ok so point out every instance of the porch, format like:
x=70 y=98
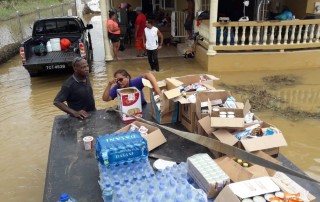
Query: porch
x=262 y=43
x=270 y=44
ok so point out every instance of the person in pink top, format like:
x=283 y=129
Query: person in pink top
x=113 y=33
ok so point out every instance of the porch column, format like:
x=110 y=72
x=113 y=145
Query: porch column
x=212 y=30
x=105 y=7
x=197 y=7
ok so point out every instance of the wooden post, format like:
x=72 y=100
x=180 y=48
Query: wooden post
x=212 y=29
x=105 y=7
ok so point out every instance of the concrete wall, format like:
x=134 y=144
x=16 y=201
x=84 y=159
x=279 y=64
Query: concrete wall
x=255 y=61
x=298 y=7
x=310 y=5
x=133 y=3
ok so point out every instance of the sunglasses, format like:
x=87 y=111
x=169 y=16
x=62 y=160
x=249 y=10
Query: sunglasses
x=119 y=80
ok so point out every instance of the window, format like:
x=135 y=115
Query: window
x=205 y=5
x=51 y=27
x=168 y=4
x=164 y=4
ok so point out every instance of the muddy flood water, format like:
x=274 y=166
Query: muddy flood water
x=27 y=114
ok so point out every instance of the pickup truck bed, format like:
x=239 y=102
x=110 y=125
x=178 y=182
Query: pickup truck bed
x=35 y=56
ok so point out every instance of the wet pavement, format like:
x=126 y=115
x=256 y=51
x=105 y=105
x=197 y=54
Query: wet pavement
x=27 y=114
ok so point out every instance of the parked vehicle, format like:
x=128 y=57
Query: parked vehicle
x=54 y=43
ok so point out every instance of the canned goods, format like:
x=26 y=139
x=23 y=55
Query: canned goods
x=215 y=109
x=247 y=200
x=259 y=199
x=268 y=196
x=204 y=111
x=279 y=194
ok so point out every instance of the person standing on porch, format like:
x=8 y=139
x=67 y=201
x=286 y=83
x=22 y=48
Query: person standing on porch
x=188 y=25
x=151 y=42
x=113 y=33
x=139 y=26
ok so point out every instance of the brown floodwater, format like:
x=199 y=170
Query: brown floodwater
x=27 y=114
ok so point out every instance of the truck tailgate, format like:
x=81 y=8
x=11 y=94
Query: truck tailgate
x=56 y=57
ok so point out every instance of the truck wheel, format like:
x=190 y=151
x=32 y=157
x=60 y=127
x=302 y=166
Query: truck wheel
x=89 y=60
x=33 y=74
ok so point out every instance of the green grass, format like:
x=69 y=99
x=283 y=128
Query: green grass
x=9 y=8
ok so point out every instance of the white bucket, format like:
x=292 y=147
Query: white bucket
x=55 y=44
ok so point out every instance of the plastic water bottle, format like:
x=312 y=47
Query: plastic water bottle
x=66 y=198
x=107 y=193
x=49 y=47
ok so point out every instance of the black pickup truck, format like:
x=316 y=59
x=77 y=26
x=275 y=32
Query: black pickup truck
x=37 y=57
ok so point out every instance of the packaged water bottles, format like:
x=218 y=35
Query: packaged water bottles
x=116 y=149
x=66 y=198
x=107 y=193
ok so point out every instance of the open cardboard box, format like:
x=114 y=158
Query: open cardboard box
x=238 y=173
x=203 y=98
x=195 y=78
x=169 y=109
x=187 y=108
x=231 y=123
x=265 y=142
x=235 y=192
x=254 y=144
x=205 y=129
x=154 y=136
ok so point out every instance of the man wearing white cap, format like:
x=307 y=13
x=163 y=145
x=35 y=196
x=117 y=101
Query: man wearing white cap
x=139 y=26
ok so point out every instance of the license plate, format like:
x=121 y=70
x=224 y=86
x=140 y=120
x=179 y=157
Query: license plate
x=50 y=67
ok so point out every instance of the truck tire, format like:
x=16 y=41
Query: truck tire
x=89 y=60
x=33 y=74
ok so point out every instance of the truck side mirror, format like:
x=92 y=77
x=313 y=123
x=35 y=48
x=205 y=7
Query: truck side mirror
x=89 y=26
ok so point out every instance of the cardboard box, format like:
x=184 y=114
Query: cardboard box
x=187 y=114
x=231 y=123
x=249 y=188
x=255 y=120
x=203 y=98
x=264 y=143
x=235 y=192
x=269 y=144
x=238 y=173
x=196 y=124
x=129 y=101
x=169 y=110
x=205 y=127
x=154 y=135
x=195 y=78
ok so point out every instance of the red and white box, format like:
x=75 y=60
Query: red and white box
x=129 y=102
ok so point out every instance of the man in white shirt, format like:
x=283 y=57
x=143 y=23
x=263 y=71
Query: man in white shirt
x=151 y=42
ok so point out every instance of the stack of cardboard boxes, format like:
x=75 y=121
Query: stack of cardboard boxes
x=202 y=109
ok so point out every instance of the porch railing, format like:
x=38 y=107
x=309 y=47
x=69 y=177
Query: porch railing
x=177 y=24
x=269 y=35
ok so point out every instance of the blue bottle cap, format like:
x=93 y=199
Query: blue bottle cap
x=64 y=197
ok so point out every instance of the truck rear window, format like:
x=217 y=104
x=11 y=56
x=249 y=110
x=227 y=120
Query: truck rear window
x=56 y=27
